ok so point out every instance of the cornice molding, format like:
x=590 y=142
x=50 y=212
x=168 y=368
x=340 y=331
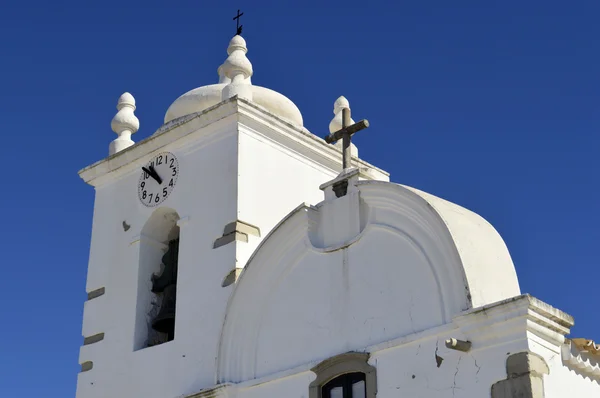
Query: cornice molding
x=300 y=140
x=514 y=316
x=499 y=320
x=212 y=122
x=165 y=135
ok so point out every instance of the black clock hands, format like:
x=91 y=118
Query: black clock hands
x=156 y=176
x=152 y=173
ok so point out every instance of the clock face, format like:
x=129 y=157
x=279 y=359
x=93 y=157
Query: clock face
x=158 y=179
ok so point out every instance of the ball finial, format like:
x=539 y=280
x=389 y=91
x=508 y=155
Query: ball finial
x=336 y=122
x=124 y=124
x=238 y=69
x=340 y=104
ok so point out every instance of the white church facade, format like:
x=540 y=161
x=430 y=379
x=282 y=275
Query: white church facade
x=233 y=255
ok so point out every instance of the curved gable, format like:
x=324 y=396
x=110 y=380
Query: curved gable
x=300 y=300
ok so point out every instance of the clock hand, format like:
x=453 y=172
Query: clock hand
x=152 y=173
x=156 y=176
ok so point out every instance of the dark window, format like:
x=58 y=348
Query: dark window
x=349 y=385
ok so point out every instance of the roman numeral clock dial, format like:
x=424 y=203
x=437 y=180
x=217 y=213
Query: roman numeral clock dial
x=158 y=179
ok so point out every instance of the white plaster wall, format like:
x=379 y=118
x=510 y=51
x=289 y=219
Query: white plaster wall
x=273 y=181
x=224 y=175
x=411 y=370
x=407 y=368
x=305 y=303
x=295 y=385
x=330 y=303
x=296 y=302
x=205 y=195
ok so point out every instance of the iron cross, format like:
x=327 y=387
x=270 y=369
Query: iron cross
x=346 y=134
x=237 y=19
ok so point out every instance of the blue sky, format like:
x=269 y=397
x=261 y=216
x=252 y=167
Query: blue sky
x=493 y=105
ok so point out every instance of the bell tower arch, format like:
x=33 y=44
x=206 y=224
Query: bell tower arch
x=157 y=279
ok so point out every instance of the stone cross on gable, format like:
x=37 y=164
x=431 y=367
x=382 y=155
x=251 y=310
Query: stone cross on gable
x=348 y=128
x=345 y=133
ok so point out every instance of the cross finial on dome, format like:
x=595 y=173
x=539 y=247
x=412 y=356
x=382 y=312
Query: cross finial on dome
x=124 y=124
x=237 y=21
x=238 y=69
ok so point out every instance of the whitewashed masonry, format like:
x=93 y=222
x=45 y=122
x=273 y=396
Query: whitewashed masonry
x=284 y=289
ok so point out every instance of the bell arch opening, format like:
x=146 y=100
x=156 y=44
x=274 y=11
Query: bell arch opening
x=157 y=279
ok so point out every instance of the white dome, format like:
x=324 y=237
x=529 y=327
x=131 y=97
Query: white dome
x=204 y=97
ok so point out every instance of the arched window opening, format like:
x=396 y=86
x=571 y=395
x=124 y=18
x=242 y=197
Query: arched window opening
x=157 y=280
x=347 y=375
x=165 y=285
x=349 y=385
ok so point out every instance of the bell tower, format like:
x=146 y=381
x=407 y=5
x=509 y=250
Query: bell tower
x=176 y=217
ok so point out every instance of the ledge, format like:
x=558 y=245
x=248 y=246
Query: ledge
x=96 y=293
x=279 y=129
x=242 y=227
x=93 y=339
x=224 y=240
x=236 y=231
x=88 y=365
x=541 y=319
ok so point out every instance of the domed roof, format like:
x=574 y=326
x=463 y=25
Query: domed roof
x=234 y=79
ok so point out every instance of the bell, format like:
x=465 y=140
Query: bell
x=165 y=320
x=166 y=284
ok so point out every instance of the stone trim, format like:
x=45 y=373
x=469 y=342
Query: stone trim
x=242 y=227
x=93 y=339
x=338 y=365
x=525 y=371
x=88 y=365
x=236 y=231
x=95 y=293
x=224 y=240
x=231 y=277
